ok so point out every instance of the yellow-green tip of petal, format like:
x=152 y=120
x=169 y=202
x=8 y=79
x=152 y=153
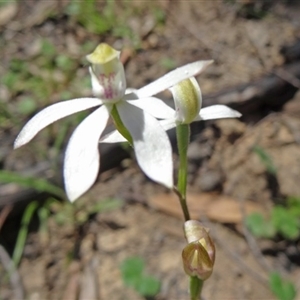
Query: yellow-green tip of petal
x=102 y=54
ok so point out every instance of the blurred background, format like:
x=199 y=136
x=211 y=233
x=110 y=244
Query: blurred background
x=123 y=239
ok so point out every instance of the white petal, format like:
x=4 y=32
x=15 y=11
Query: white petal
x=51 y=114
x=81 y=163
x=172 y=78
x=155 y=107
x=130 y=90
x=151 y=144
x=113 y=137
x=168 y=124
x=218 y=112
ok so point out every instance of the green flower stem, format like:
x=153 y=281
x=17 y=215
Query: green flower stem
x=196 y=285
x=183 y=139
x=120 y=126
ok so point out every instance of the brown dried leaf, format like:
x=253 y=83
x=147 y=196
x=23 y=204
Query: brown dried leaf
x=169 y=204
x=219 y=208
x=230 y=210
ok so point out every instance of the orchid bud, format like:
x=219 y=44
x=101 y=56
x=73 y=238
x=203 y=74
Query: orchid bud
x=199 y=255
x=107 y=73
x=188 y=100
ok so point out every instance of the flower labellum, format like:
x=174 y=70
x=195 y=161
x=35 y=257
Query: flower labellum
x=107 y=73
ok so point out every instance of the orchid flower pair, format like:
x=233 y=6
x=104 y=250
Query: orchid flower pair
x=135 y=114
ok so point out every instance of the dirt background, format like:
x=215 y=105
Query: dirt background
x=75 y=259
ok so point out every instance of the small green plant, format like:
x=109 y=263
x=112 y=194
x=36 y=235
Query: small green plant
x=159 y=14
x=43 y=212
x=77 y=213
x=282 y=220
x=282 y=289
x=38 y=184
x=88 y=16
x=63 y=213
x=23 y=232
x=26 y=105
x=133 y=274
x=286 y=222
x=259 y=226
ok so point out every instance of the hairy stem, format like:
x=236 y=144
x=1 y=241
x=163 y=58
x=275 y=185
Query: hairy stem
x=183 y=139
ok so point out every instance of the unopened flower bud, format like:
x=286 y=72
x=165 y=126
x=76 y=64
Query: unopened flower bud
x=199 y=255
x=107 y=73
x=188 y=100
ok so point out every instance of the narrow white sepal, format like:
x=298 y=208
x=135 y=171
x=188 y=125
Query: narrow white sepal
x=217 y=112
x=51 y=114
x=155 y=107
x=113 y=137
x=151 y=144
x=172 y=78
x=81 y=165
x=168 y=124
x=130 y=91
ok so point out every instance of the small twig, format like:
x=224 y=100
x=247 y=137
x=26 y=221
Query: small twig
x=14 y=276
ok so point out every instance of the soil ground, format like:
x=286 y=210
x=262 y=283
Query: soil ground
x=79 y=256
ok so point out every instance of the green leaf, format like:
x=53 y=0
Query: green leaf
x=168 y=63
x=26 y=106
x=48 y=49
x=148 y=286
x=285 y=222
x=132 y=269
x=293 y=204
x=22 y=235
x=73 y=8
x=38 y=184
x=259 y=226
x=64 y=62
x=10 y=79
x=284 y=290
x=160 y=15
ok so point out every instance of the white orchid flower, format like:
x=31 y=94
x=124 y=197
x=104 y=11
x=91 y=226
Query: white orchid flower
x=188 y=101
x=133 y=113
